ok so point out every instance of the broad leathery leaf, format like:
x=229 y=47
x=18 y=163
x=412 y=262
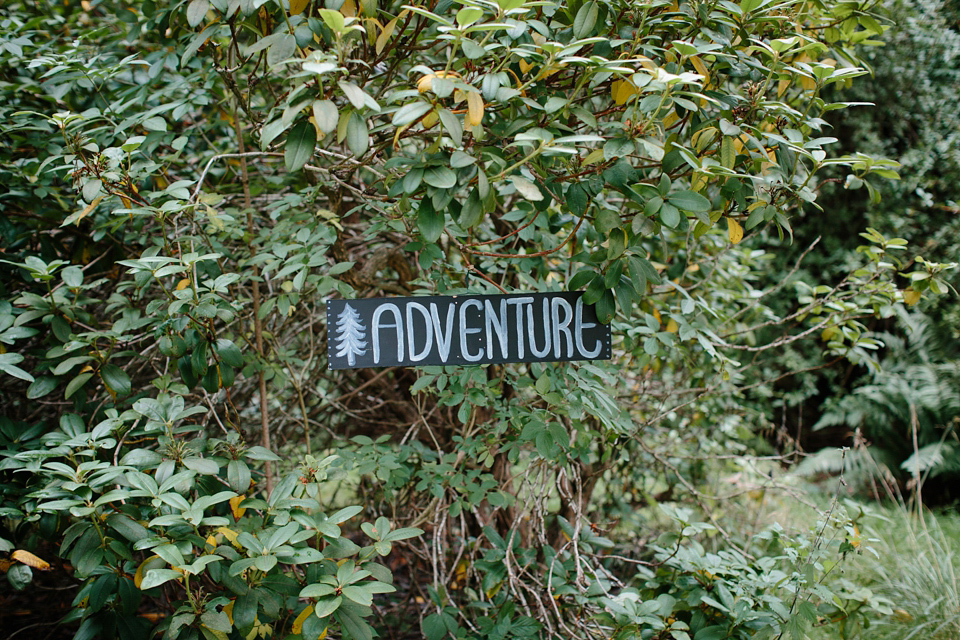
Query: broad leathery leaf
x=74 y=385
x=606 y=307
x=358 y=136
x=410 y=112
x=299 y=145
x=440 y=177
x=156 y=577
x=728 y=155
x=196 y=11
x=586 y=20
x=468 y=15
x=325 y=606
x=116 y=379
x=228 y=352
x=326 y=116
x=669 y=215
x=472 y=211
x=283 y=49
x=526 y=189
x=430 y=222
x=451 y=124
x=354 y=93
x=333 y=19
x=689 y=201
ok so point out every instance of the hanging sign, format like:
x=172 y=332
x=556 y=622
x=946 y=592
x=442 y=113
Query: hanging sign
x=464 y=329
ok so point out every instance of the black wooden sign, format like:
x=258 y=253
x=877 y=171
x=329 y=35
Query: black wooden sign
x=464 y=329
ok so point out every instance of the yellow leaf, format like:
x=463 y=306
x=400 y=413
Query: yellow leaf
x=349 y=9
x=385 y=34
x=734 y=230
x=297 y=6
x=622 y=90
x=228 y=609
x=524 y=65
x=298 y=623
x=699 y=181
x=670 y=119
x=219 y=635
x=808 y=83
x=425 y=83
x=700 y=66
x=902 y=615
x=183 y=284
x=430 y=119
x=27 y=558
x=910 y=296
x=474 y=108
x=230 y=535
x=88 y=209
x=235 y=507
x=656 y=314
x=672 y=326
x=647 y=63
x=593 y=157
x=782 y=87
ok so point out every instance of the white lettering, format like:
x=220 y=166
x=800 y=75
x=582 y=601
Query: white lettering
x=414 y=356
x=375 y=327
x=561 y=327
x=501 y=327
x=465 y=331
x=579 y=327
x=443 y=342
x=520 y=302
x=546 y=331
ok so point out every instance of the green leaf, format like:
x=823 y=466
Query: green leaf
x=468 y=15
x=606 y=307
x=440 y=177
x=430 y=222
x=196 y=11
x=156 y=577
x=41 y=387
x=7 y=365
x=116 y=379
x=127 y=527
x=354 y=625
x=358 y=136
x=689 y=201
x=326 y=115
x=326 y=606
x=669 y=215
x=74 y=385
x=228 y=352
x=411 y=112
x=333 y=19
x=433 y=627
x=586 y=20
x=299 y=145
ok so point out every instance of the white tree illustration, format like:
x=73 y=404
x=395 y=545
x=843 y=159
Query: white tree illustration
x=351 y=334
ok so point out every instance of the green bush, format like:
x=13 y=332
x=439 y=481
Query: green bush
x=187 y=183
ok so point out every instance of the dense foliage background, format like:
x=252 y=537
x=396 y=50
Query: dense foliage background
x=185 y=184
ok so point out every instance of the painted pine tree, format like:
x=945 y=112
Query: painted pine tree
x=350 y=335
